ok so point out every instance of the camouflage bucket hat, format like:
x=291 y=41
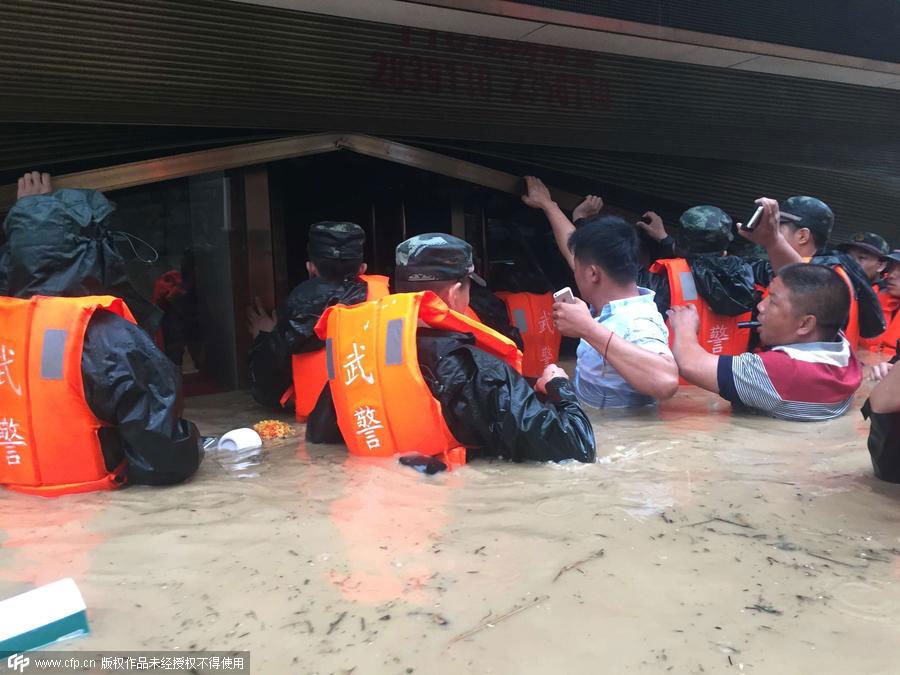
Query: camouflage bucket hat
x=336 y=241
x=705 y=229
x=867 y=241
x=435 y=257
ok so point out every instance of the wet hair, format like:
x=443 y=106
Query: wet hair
x=820 y=291
x=437 y=287
x=336 y=271
x=609 y=242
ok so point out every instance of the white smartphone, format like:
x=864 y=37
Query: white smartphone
x=754 y=220
x=564 y=295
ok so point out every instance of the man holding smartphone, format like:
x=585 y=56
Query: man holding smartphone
x=797 y=231
x=624 y=360
x=806 y=371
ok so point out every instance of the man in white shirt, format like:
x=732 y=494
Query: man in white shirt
x=624 y=359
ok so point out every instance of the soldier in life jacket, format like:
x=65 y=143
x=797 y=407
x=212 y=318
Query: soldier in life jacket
x=286 y=352
x=869 y=250
x=87 y=401
x=797 y=231
x=440 y=378
x=886 y=343
x=698 y=272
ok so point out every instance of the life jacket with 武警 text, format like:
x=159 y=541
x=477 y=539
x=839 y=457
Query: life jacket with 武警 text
x=719 y=334
x=48 y=433
x=532 y=314
x=308 y=369
x=381 y=399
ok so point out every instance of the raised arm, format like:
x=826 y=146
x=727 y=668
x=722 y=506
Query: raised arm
x=538 y=197
x=768 y=234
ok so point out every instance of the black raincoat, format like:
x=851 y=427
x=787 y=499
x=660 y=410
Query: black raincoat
x=871 y=316
x=726 y=283
x=491 y=310
x=488 y=406
x=270 y=354
x=58 y=246
x=296 y=318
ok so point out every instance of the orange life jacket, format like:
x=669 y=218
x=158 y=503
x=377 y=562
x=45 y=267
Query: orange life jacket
x=48 y=434
x=383 y=403
x=886 y=343
x=851 y=332
x=719 y=334
x=310 y=374
x=532 y=314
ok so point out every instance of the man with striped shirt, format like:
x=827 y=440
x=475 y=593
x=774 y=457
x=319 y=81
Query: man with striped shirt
x=806 y=372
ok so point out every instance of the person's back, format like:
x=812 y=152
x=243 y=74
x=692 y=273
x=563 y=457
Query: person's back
x=720 y=287
x=286 y=353
x=462 y=370
x=807 y=372
x=58 y=244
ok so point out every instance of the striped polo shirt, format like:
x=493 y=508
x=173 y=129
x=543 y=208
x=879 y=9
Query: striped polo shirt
x=806 y=382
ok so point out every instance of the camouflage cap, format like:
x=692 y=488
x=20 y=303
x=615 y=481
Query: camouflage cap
x=435 y=257
x=336 y=241
x=704 y=229
x=810 y=213
x=867 y=241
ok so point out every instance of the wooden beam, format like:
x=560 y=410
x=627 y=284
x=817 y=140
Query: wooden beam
x=250 y=154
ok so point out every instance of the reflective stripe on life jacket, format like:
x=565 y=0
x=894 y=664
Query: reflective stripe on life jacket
x=383 y=404
x=532 y=314
x=309 y=370
x=886 y=343
x=719 y=334
x=48 y=433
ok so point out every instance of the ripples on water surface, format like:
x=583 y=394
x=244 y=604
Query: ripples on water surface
x=697 y=537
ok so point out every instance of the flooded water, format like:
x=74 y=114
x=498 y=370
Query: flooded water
x=700 y=542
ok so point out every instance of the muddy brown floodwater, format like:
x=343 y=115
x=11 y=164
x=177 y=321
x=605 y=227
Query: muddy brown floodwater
x=700 y=542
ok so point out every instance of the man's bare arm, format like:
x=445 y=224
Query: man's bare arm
x=885 y=397
x=648 y=372
x=695 y=364
x=538 y=197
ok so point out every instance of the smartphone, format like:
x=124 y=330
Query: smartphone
x=751 y=224
x=564 y=295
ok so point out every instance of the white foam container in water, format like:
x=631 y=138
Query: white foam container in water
x=240 y=439
x=41 y=617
